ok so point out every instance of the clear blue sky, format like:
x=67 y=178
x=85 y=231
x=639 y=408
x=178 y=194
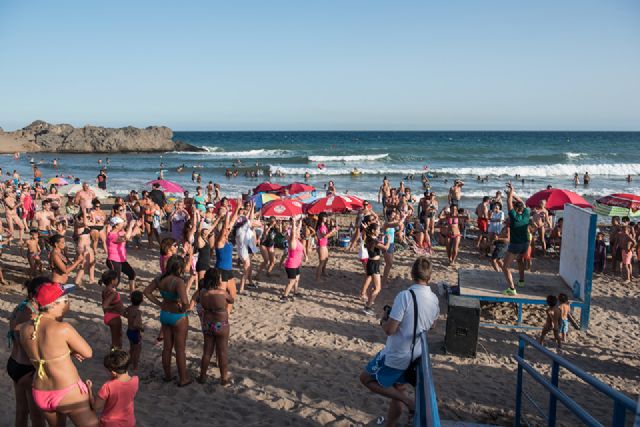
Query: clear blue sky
x=331 y=64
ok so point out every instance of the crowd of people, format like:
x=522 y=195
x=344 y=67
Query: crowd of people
x=195 y=237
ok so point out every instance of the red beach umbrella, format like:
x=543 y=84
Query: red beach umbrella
x=283 y=209
x=334 y=204
x=299 y=187
x=266 y=187
x=621 y=200
x=168 y=186
x=556 y=199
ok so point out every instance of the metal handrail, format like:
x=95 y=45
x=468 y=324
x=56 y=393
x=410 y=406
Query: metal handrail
x=621 y=402
x=426 y=414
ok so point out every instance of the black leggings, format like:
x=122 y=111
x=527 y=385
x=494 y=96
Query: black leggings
x=121 y=267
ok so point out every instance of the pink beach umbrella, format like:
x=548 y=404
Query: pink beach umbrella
x=168 y=186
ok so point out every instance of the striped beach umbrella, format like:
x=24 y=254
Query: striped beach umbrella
x=57 y=181
x=261 y=199
x=619 y=204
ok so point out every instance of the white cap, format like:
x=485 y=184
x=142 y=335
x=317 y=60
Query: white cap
x=115 y=220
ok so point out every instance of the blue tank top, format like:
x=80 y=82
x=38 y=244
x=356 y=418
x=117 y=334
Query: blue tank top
x=224 y=257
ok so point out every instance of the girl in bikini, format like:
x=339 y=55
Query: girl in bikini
x=453 y=235
x=19 y=367
x=112 y=307
x=174 y=318
x=59 y=263
x=98 y=232
x=11 y=213
x=214 y=298
x=82 y=233
x=323 y=234
x=55 y=198
x=49 y=343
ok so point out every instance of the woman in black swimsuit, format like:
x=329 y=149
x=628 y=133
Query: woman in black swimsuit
x=215 y=324
x=267 y=248
x=19 y=367
x=204 y=243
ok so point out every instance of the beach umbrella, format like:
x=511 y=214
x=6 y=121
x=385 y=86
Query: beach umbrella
x=168 y=186
x=299 y=187
x=333 y=204
x=619 y=204
x=74 y=188
x=306 y=198
x=556 y=199
x=266 y=187
x=57 y=181
x=261 y=199
x=283 y=209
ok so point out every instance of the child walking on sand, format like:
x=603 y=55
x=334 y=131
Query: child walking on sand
x=33 y=253
x=553 y=320
x=115 y=398
x=565 y=308
x=112 y=307
x=134 y=327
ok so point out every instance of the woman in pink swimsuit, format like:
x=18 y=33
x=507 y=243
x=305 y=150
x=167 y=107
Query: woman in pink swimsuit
x=293 y=261
x=49 y=342
x=323 y=234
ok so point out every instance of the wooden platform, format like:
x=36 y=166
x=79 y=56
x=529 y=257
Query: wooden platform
x=488 y=285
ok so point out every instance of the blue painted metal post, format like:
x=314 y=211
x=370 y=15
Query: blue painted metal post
x=519 y=313
x=555 y=371
x=516 y=423
x=619 y=413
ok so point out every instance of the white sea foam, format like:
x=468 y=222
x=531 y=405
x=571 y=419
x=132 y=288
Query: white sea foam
x=342 y=171
x=249 y=154
x=354 y=158
x=559 y=169
x=572 y=156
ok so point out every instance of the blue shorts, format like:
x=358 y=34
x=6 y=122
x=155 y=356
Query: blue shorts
x=392 y=248
x=384 y=375
x=134 y=335
x=564 y=326
x=518 y=248
x=170 y=319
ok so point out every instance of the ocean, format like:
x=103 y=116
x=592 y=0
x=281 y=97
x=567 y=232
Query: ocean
x=539 y=158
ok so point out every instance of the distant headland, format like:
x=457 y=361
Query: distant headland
x=44 y=137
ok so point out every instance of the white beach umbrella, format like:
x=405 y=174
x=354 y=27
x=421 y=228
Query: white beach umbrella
x=74 y=188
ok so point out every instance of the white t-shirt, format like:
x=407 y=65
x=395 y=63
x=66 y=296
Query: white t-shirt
x=397 y=350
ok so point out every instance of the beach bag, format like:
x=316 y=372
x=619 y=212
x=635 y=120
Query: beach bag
x=411 y=373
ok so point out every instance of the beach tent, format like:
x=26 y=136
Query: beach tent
x=74 y=188
x=619 y=204
x=556 y=199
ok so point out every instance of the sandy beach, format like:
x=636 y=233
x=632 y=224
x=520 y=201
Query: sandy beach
x=298 y=363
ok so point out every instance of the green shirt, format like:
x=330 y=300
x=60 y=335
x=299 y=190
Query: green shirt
x=519 y=226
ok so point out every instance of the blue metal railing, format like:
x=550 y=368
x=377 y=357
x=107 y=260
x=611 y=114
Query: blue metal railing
x=426 y=403
x=621 y=402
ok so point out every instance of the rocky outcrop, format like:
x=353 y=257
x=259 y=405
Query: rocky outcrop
x=63 y=138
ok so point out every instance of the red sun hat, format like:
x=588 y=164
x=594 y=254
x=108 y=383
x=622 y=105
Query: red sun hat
x=49 y=292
